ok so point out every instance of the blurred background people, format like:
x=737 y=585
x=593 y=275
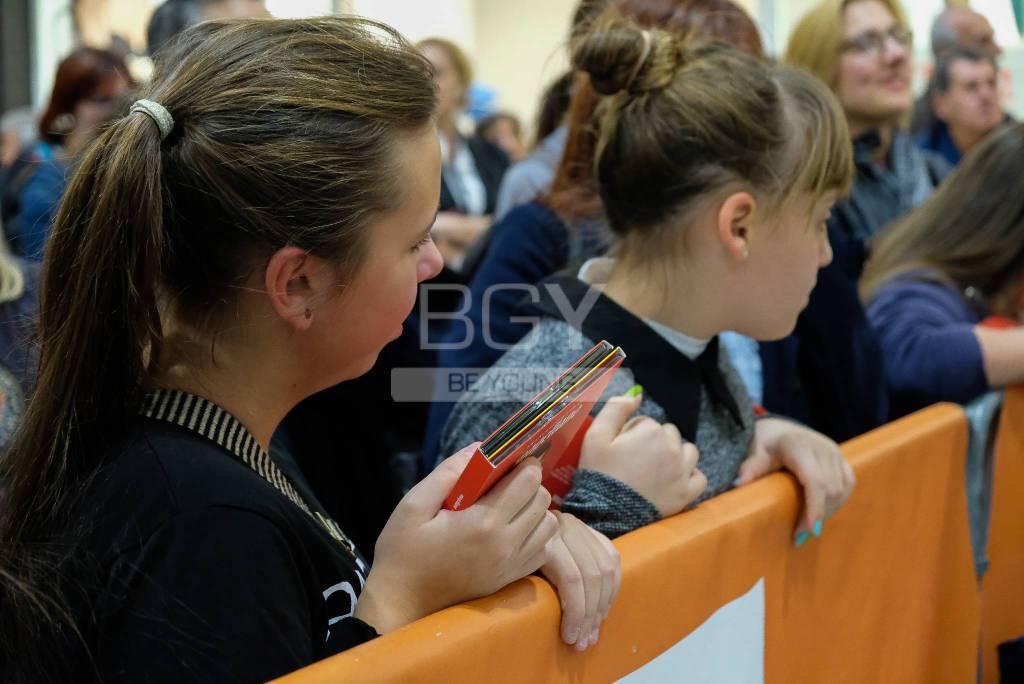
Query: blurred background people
x=937 y=275
x=504 y=131
x=965 y=100
x=471 y=167
x=953 y=28
x=174 y=16
x=89 y=86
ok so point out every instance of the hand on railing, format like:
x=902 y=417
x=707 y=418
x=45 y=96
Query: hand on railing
x=815 y=461
x=585 y=569
x=428 y=558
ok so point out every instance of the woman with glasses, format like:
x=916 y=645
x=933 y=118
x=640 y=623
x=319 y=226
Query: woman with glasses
x=862 y=49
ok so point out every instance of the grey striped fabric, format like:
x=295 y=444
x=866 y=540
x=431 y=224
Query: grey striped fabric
x=210 y=421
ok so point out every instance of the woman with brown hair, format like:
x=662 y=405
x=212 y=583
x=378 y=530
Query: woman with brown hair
x=937 y=274
x=717 y=172
x=88 y=88
x=541 y=237
x=471 y=167
x=251 y=232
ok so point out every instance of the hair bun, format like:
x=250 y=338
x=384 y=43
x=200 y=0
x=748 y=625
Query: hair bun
x=620 y=56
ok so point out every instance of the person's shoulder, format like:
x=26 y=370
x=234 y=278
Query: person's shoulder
x=921 y=292
x=535 y=216
x=158 y=472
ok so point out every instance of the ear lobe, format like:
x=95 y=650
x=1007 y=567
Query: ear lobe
x=288 y=286
x=736 y=224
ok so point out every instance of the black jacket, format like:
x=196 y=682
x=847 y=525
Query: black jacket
x=491 y=163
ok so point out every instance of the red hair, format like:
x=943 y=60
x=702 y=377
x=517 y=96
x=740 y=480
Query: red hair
x=79 y=76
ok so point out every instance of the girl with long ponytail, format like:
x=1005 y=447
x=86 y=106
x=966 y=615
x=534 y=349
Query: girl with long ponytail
x=252 y=231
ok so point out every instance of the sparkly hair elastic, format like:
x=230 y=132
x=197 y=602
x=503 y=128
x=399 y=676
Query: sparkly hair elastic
x=644 y=54
x=158 y=113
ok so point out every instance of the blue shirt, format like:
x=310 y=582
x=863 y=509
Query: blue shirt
x=926 y=331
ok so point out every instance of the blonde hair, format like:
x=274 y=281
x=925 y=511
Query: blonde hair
x=12 y=282
x=680 y=121
x=816 y=42
x=458 y=58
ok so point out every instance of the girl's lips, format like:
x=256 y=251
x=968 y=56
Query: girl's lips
x=895 y=83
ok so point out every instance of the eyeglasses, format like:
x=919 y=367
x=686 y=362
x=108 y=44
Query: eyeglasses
x=873 y=42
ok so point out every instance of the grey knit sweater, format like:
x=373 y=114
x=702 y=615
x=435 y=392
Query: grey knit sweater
x=601 y=501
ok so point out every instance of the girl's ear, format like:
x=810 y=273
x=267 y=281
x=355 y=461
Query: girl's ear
x=292 y=279
x=736 y=224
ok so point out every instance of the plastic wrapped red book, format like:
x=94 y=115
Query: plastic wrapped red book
x=550 y=427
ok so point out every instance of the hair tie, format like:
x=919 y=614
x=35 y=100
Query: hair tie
x=644 y=54
x=158 y=113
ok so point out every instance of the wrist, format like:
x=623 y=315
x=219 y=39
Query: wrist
x=387 y=606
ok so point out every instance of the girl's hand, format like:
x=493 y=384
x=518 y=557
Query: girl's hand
x=428 y=558
x=813 y=458
x=584 y=567
x=652 y=459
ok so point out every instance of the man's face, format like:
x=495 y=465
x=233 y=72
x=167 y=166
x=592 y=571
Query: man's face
x=972 y=102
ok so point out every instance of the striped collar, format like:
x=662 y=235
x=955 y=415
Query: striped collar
x=211 y=422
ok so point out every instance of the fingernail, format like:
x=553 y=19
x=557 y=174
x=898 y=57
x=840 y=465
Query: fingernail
x=802 y=537
x=736 y=482
x=817 y=528
x=582 y=645
x=574 y=635
x=593 y=636
x=635 y=390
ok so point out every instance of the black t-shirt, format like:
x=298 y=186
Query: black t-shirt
x=200 y=568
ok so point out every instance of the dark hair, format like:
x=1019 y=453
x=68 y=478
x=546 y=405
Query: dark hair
x=484 y=125
x=554 y=104
x=679 y=122
x=284 y=134
x=79 y=76
x=970 y=232
x=573 y=192
x=942 y=78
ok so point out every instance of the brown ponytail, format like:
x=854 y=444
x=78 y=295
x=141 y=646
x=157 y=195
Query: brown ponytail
x=284 y=134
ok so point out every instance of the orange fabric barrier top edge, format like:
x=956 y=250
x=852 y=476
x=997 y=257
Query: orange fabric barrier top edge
x=888 y=590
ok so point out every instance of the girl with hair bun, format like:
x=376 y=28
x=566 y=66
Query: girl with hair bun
x=251 y=232
x=717 y=172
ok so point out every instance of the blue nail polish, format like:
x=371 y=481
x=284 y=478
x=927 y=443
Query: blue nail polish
x=802 y=537
x=817 y=528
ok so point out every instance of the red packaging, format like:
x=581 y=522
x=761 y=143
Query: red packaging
x=555 y=436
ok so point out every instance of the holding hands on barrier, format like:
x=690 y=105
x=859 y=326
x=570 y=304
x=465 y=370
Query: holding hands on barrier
x=815 y=461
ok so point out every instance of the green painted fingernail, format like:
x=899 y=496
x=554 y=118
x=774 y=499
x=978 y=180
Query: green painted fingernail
x=802 y=537
x=635 y=390
x=817 y=528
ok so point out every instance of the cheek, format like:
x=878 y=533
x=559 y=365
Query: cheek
x=852 y=77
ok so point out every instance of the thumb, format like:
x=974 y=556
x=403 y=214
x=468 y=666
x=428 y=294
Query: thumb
x=429 y=494
x=612 y=417
x=757 y=465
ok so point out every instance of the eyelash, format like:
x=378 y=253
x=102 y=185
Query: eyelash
x=421 y=243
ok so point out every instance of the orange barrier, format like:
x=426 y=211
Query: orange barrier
x=888 y=594
x=1002 y=587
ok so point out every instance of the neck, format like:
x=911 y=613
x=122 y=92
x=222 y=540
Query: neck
x=691 y=309
x=964 y=139
x=885 y=131
x=259 y=400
